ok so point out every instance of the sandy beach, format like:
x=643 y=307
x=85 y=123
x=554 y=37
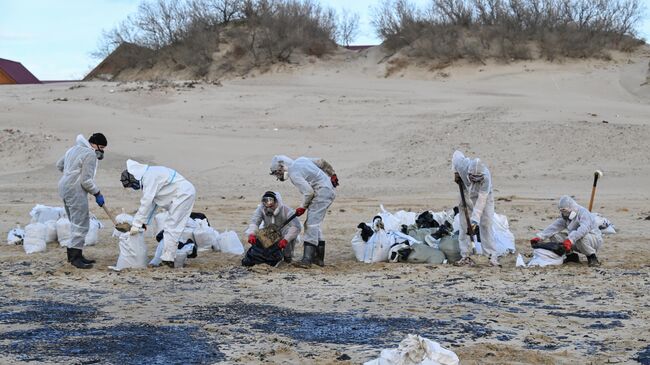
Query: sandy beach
x=542 y=128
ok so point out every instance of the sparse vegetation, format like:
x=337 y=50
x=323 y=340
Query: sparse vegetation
x=186 y=33
x=448 y=30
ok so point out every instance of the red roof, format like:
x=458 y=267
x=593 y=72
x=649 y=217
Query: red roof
x=18 y=72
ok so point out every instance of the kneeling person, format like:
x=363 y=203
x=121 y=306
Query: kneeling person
x=273 y=214
x=583 y=234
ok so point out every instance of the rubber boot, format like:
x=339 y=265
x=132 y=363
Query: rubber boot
x=74 y=254
x=572 y=257
x=85 y=260
x=592 y=260
x=320 y=254
x=307 y=257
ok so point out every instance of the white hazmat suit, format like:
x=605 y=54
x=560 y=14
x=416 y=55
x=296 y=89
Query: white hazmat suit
x=277 y=217
x=316 y=189
x=79 y=165
x=480 y=204
x=582 y=230
x=165 y=188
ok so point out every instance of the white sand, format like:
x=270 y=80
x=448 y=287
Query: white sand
x=538 y=126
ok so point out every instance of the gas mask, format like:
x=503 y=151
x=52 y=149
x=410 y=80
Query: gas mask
x=129 y=181
x=475 y=178
x=99 y=154
x=567 y=214
x=269 y=204
x=280 y=174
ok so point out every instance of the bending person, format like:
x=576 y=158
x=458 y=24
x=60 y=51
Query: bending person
x=165 y=188
x=477 y=182
x=316 y=180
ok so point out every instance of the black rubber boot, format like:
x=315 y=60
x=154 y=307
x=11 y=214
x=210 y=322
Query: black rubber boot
x=307 y=257
x=572 y=257
x=592 y=260
x=320 y=254
x=85 y=260
x=74 y=255
x=287 y=259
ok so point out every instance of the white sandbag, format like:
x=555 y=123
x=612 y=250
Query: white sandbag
x=34 y=238
x=205 y=236
x=391 y=223
x=43 y=213
x=229 y=243
x=416 y=350
x=504 y=240
x=443 y=217
x=404 y=217
x=358 y=246
x=16 y=236
x=605 y=226
x=181 y=254
x=93 y=232
x=520 y=261
x=542 y=257
x=122 y=218
x=50 y=235
x=133 y=252
x=378 y=247
x=64 y=231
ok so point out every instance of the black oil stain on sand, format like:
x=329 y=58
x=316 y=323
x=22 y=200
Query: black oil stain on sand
x=63 y=334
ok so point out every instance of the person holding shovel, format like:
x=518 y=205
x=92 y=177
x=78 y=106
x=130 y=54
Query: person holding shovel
x=165 y=188
x=279 y=223
x=316 y=180
x=583 y=234
x=474 y=178
x=79 y=165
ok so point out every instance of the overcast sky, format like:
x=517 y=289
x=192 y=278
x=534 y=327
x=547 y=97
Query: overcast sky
x=54 y=38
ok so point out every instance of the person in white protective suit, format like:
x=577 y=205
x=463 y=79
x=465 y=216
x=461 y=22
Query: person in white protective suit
x=165 y=188
x=583 y=234
x=316 y=180
x=79 y=165
x=477 y=182
x=273 y=212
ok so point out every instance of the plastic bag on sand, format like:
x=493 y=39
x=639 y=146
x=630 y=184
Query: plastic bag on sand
x=358 y=245
x=43 y=213
x=205 y=236
x=503 y=238
x=63 y=231
x=377 y=248
x=542 y=257
x=93 y=232
x=605 y=226
x=133 y=252
x=50 y=235
x=34 y=238
x=416 y=350
x=16 y=236
x=229 y=243
x=181 y=254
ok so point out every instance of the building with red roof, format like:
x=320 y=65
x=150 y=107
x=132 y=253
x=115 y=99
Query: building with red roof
x=12 y=72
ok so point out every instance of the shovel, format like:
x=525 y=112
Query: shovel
x=122 y=227
x=470 y=233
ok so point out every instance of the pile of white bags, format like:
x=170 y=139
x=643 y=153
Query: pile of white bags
x=133 y=252
x=16 y=236
x=416 y=350
x=35 y=238
x=205 y=236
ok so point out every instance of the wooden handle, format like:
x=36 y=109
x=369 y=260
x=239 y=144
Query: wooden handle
x=109 y=215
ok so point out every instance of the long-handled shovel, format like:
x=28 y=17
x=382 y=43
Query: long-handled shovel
x=122 y=227
x=597 y=175
x=470 y=232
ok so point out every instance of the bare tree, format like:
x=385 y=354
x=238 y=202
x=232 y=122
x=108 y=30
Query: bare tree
x=347 y=28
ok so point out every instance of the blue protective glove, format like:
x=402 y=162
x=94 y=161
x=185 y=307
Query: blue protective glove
x=99 y=199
